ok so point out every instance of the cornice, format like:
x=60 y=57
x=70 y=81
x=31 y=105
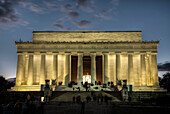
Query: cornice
x=96 y=42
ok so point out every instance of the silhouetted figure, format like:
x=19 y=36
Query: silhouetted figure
x=110 y=99
x=92 y=93
x=28 y=98
x=1 y=109
x=108 y=83
x=9 y=109
x=86 y=88
x=32 y=98
x=99 y=82
x=98 y=97
x=88 y=98
x=25 y=109
x=74 y=98
x=101 y=98
x=94 y=98
x=78 y=88
x=129 y=99
x=32 y=108
x=78 y=99
x=16 y=109
x=106 y=99
x=82 y=107
x=41 y=108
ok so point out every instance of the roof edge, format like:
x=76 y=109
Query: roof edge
x=80 y=31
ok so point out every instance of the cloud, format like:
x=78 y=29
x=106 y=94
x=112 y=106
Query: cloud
x=85 y=5
x=23 y=3
x=82 y=23
x=115 y=2
x=104 y=14
x=51 y=5
x=8 y=14
x=35 y=8
x=164 y=66
x=60 y=27
x=73 y=14
x=21 y=22
x=81 y=3
x=66 y=7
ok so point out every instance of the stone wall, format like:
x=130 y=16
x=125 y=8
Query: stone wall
x=142 y=96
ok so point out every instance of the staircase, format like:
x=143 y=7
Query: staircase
x=61 y=96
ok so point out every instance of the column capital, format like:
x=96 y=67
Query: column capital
x=27 y=56
x=146 y=57
x=105 y=53
x=92 y=54
x=36 y=53
x=80 y=53
x=67 y=53
x=112 y=53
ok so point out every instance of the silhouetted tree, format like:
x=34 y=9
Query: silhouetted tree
x=3 y=85
x=165 y=81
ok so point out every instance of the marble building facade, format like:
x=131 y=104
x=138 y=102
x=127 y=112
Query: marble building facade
x=107 y=56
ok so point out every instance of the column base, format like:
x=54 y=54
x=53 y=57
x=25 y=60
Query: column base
x=26 y=88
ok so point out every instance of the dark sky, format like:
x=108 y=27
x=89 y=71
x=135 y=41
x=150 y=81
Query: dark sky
x=18 y=18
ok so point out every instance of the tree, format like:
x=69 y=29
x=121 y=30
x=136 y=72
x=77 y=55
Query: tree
x=165 y=81
x=3 y=85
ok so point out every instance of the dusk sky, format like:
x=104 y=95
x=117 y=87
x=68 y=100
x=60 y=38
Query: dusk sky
x=18 y=18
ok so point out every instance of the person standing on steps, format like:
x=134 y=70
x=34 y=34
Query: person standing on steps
x=82 y=107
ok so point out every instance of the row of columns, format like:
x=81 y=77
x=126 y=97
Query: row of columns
x=35 y=69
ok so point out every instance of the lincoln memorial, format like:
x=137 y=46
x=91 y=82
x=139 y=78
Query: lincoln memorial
x=87 y=56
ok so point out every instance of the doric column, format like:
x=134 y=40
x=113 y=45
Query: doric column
x=93 y=68
x=37 y=67
x=61 y=68
x=106 y=78
x=123 y=73
x=148 y=69
x=49 y=66
x=67 y=68
x=155 y=70
x=26 y=69
x=137 y=69
x=30 y=70
x=19 y=70
x=42 y=72
x=130 y=80
x=55 y=68
x=117 y=67
x=143 y=71
x=114 y=69
x=80 y=68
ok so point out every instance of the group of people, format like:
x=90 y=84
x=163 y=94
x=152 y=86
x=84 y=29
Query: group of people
x=22 y=108
x=26 y=105
x=99 y=98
